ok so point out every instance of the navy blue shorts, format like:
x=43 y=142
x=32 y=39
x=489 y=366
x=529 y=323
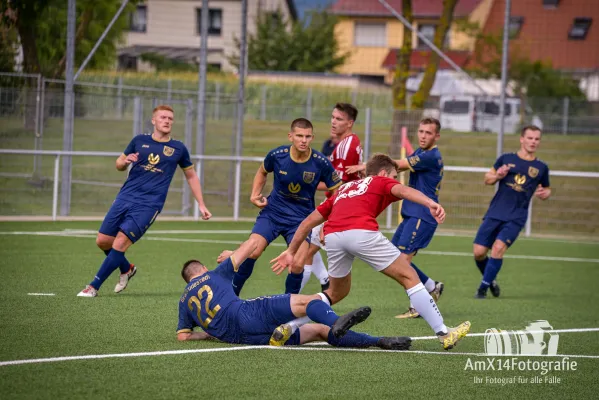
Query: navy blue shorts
x=270 y=227
x=492 y=229
x=413 y=234
x=259 y=317
x=131 y=219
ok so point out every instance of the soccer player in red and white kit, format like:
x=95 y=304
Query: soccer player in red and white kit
x=352 y=231
x=347 y=153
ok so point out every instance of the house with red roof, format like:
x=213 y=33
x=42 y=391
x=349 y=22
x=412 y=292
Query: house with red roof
x=373 y=35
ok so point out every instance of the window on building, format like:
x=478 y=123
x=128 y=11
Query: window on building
x=370 y=34
x=215 y=21
x=428 y=31
x=139 y=18
x=515 y=25
x=550 y=3
x=127 y=63
x=580 y=28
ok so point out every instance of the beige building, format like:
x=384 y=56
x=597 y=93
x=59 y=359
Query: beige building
x=171 y=28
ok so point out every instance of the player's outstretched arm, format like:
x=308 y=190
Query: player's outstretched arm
x=194 y=183
x=256 y=197
x=285 y=259
x=405 y=192
x=125 y=160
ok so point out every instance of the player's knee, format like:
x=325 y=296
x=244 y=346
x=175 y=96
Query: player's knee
x=121 y=243
x=498 y=249
x=104 y=242
x=480 y=252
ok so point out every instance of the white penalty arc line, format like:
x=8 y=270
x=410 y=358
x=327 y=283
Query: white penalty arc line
x=313 y=347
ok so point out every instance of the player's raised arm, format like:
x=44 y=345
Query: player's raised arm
x=498 y=172
x=257 y=198
x=285 y=259
x=407 y=193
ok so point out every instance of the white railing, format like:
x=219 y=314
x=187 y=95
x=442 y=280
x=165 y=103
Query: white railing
x=238 y=177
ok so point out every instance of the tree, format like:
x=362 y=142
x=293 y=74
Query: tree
x=400 y=78
x=41 y=27
x=430 y=73
x=280 y=45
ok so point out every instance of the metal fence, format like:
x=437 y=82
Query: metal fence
x=107 y=116
x=228 y=182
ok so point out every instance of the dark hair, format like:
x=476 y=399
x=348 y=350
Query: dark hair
x=380 y=162
x=430 y=120
x=188 y=269
x=349 y=109
x=301 y=123
x=530 y=128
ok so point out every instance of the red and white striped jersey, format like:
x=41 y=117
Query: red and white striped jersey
x=347 y=153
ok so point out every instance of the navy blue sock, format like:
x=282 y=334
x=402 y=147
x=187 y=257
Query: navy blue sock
x=421 y=275
x=321 y=312
x=352 y=339
x=243 y=273
x=125 y=267
x=111 y=262
x=491 y=271
x=293 y=283
x=481 y=264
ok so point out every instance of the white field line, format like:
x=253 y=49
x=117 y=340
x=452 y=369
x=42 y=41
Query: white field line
x=80 y=234
x=304 y=348
x=41 y=294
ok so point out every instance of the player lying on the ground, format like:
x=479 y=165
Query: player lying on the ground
x=520 y=175
x=153 y=159
x=418 y=225
x=352 y=231
x=210 y=303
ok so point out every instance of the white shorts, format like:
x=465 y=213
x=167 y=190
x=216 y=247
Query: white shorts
x=372 y=247
x=315 y=237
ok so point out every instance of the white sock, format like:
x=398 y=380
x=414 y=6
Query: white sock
x=306 y=277
x=324 y=298
x=319 y=269
x=429 y=285
x=426 y=307
x=296 y=323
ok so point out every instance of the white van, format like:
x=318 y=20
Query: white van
x=467 y=113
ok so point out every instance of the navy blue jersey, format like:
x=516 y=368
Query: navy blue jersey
x=511 y=201
x=151 y=175
x=426 y=173
x=210 y=303
x=294 y=187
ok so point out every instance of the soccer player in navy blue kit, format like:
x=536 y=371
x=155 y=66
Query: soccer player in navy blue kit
x=298 y=171
x=418 y=225
x=520 y=176
x=210 y=303
x=154 y=159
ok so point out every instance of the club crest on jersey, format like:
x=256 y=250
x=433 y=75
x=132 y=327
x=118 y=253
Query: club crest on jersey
x=153 y=159
x=294 y=187
x=168 y=151
x=533 y=172
x=519 y=180
x=309 y=176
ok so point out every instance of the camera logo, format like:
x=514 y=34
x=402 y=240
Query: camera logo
x=530 y=341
